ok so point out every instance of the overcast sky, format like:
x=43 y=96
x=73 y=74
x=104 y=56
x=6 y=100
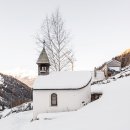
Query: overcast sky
x=100 y=30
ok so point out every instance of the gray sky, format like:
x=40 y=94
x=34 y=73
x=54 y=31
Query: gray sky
x=100 y=30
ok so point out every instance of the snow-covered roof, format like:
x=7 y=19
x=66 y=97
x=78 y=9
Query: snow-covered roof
x=63 y=80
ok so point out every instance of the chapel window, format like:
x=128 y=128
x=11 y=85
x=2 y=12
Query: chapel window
x=54 y=99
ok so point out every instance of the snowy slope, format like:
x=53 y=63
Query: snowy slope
x=110 y=112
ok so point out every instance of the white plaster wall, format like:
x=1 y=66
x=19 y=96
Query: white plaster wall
x=99 y=76
x=67 y=100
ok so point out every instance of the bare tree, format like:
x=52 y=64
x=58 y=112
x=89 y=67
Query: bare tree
x=55 y=39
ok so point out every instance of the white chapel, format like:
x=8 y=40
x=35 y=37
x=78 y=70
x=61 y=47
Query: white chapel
x=59 y=91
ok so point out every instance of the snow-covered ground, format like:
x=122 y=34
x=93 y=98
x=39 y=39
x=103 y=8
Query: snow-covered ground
x=110 y=112
x=23 y=107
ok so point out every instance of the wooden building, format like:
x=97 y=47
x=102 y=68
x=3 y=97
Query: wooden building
x=111 y=68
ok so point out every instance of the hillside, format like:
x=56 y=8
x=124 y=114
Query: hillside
x=110 y=112
x=13 y=92
x=25 y=76
x=28 y=80
x=124 y=58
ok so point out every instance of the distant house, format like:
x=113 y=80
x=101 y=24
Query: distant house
x=59 y=91
x=111 y=68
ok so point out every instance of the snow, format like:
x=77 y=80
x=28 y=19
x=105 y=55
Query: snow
x=110 y=112
x=63 y=80
x=6 y=112
x=115 y=68
x=126 y=68
x=20 y=108
x=1 y=80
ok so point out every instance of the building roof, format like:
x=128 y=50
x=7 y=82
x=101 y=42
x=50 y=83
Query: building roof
x=43 y=58
x=63 y=80
x=113 y=60
x=109 y=63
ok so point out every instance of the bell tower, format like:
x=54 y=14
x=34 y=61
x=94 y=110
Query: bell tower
x=43 y=63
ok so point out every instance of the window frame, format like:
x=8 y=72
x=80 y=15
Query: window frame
x=52 y=96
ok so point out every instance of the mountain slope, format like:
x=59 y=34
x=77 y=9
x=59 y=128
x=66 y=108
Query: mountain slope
x=25 y=76
x=13 y=92
x=110 y=112
x=124 y=58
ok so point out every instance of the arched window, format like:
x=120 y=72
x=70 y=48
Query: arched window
x=53 y=99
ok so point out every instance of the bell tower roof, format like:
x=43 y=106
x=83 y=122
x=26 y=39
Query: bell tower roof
x=43 y=58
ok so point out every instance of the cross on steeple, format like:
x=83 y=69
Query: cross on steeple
x=44 y=43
